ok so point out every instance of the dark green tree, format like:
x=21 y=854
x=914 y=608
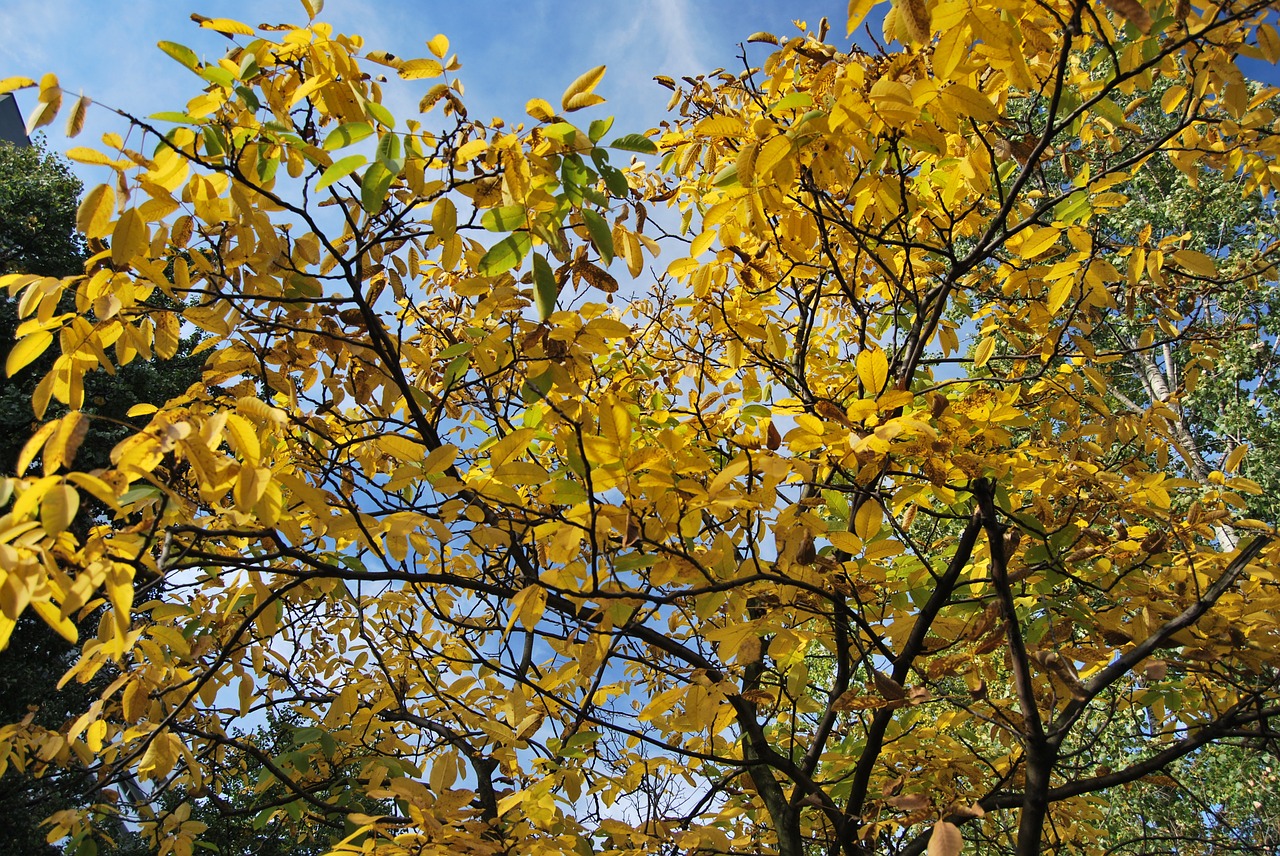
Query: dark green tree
x=38 y=200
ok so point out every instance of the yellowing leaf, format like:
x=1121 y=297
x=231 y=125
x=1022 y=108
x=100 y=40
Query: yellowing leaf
x=574 y=97
x=438 y=45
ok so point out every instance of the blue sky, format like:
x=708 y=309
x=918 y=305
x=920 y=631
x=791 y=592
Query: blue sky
x=510 y=51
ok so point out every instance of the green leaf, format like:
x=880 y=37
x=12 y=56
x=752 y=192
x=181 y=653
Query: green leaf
x=214 y=144
x=374 y=186
x=345 y=135
x=561 y=132
x=172 y=116
x=600 y=234
x=635 y=143
x=382 y=114
x=599 y=128
x=340 y=170
x=791 y=102
x=218 y=75
x=505 y=255
x=389 y=153
x=181 y=53
x=545 y=289
x=248 y=97
x=508 y=218
x=615 y=181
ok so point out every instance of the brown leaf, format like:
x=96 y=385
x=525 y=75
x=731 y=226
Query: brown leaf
x=888 y=687
x=852 y=701
x=1133 y=12
x=598 y=277
x=832 y=412
x=908 y=802
x=946 y=839
x=774 y=439
x=967 y=812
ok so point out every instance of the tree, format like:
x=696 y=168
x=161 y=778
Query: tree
x=857 y=526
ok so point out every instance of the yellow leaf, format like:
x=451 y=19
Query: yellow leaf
x=468 y=151
x=33 y=446
x=952 y=47
x=129 y=238
x=53 y=617
x=61 y=449
x=540 y=109
x=1059 y=292
x=444 y=219
x=102 y=491
x=402 y=448
x=47 y=104
x=167 y=335
x=438 y=45
x=532 y=603
x=250 y=486
x=1036 y=241
x=9 y=84
x=846 y=541
x=983 y=352
x=858 y=10
x=867 y=520
x=583 y=85
x=440 y=459
x=969 y=102
x=420 y=69
x=873 y=369
x=95 y=734
x=93 y=157
x=227 y=26
x=581 y=101
x=1232 y=463
x=719 y=126
x=244 y=437
x=75 y=122
x=59 y=508
x=1196 y=263
x=31 y=346
x=94 y=215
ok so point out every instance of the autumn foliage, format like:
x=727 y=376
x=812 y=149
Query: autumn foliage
x=808 y=474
